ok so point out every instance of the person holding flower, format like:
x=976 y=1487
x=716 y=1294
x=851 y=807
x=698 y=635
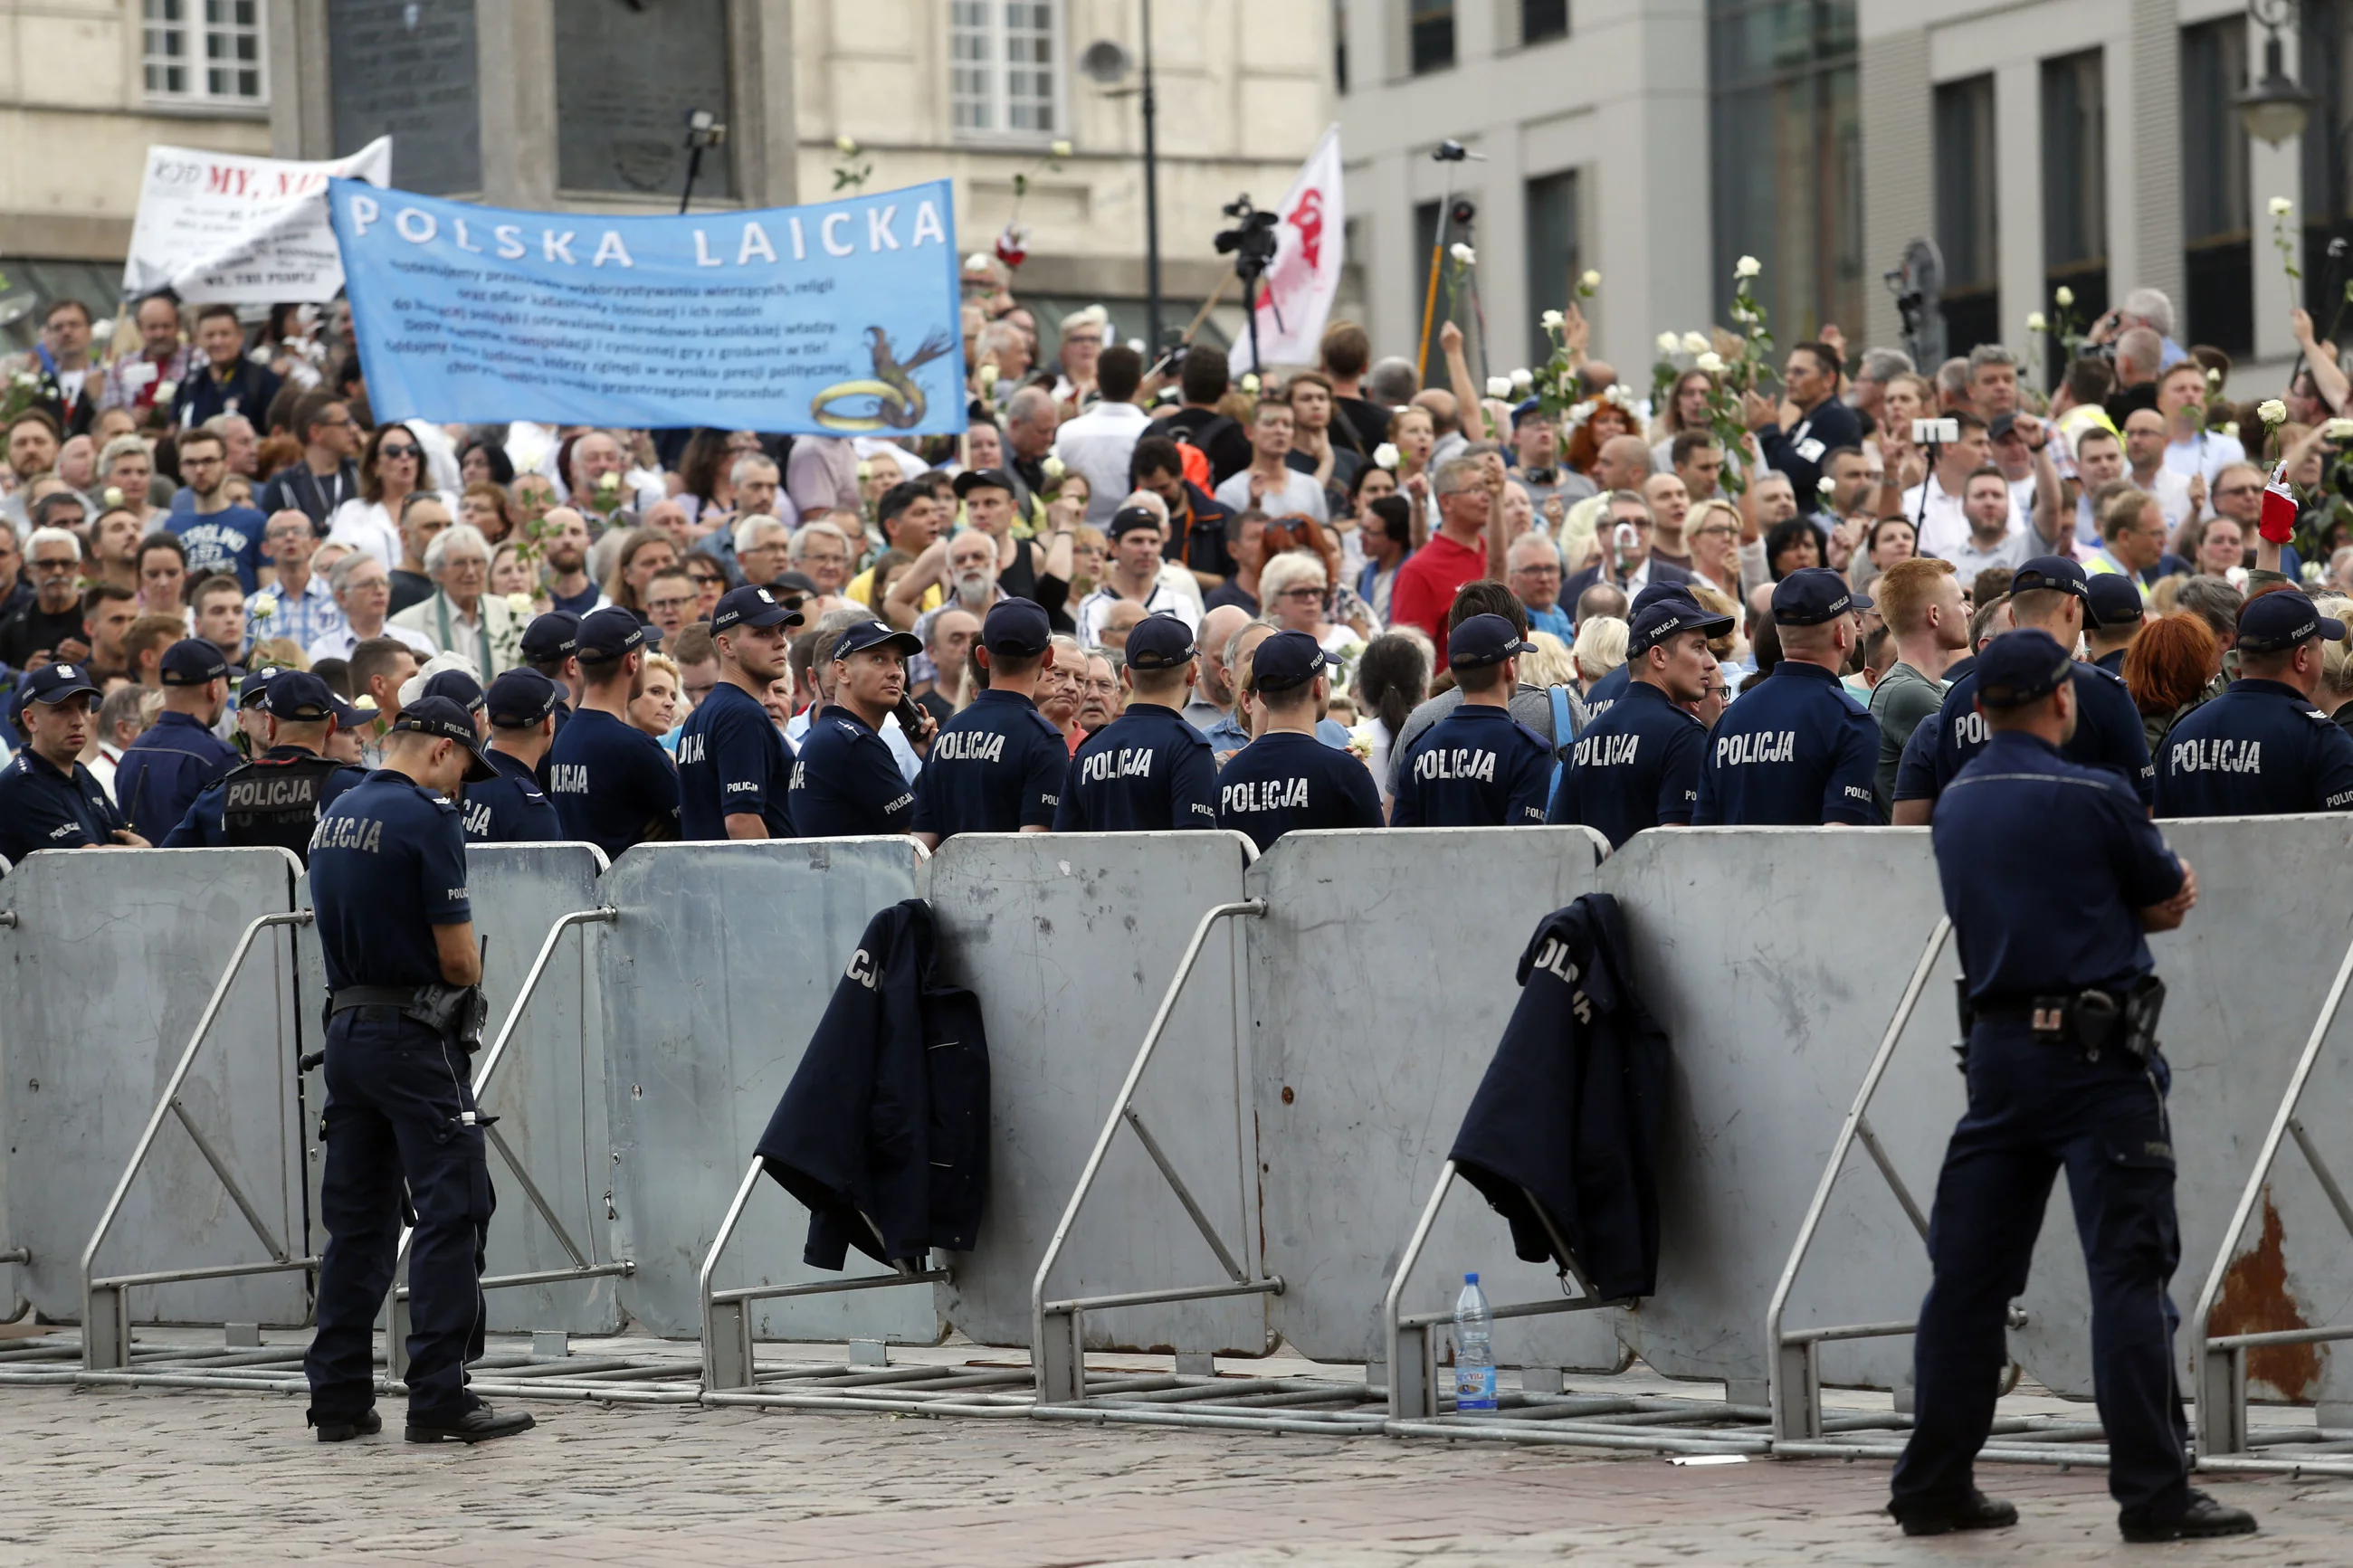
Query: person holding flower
x=1809 y=421
x=463 y=615
x=299 y=606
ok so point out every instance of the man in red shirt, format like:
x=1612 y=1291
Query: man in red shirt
x=1456 y=554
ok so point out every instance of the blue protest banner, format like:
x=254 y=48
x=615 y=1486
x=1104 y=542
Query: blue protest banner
x=838 y=319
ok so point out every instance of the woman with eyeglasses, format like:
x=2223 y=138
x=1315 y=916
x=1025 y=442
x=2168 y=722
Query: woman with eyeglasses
x=391 y=468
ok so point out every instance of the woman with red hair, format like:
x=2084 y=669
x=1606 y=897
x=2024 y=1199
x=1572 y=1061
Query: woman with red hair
x=2169 y=671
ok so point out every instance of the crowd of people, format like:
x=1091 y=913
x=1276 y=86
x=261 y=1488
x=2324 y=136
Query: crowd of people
x=1368 y=598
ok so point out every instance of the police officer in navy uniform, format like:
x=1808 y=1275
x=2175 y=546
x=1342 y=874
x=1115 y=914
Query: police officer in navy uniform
x=734 y=767
x=279 y=796
x=2261 y=748
x=48 y=799
x=2051 y=871
x=163 y=770
x=998 y=766
x=395 y=928
x=1286 y=779
x=1638 y=765
x=1611 y=687
x=511 y=809
x=1149 y=770
x=2114 y=610
x=845 y=781
x=1798 y=750
x=2052 y=594
x=612 y=784
x=551 y=645
x=463 y=689
x=1478 y=766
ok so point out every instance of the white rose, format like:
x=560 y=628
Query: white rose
x=2281 y=207
x=1553 y=321
x=27 y=378
x=2231 y=429
x=166 y=390
x=2213 y=377
x=1385 y=455
x=1696 y=344
x=1464 y=254
x=2035 y=324
x=112 y=497
x=865 y=470
x=264 y=606
x=1522 y=380
x=1826 y=485
x=2063 y=296
x=1053 y=467
x=1251 y=384
x=988 y=376
x=1060 y=149
x=519 y=603
x=1669 y=344
x=1747 y=267
x=846 y=146
x=103 y=329
x=1499 y=386
x=978 y=261
x=1591 y=279
x=1710 y=362
x=2272 y=411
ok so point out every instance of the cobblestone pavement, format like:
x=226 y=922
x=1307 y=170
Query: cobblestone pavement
x=135 y=1477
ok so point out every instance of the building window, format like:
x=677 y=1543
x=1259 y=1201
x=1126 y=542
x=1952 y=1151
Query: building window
x=1553 y=262
x=2218 y=256
x=1541 y=21
x=2324 y=66
x=2075 y=181
x=1968 y=232
x=1425 y=240
x=1005 y=74
x=1340 y=46
x=203 y=51
x=1429 y=34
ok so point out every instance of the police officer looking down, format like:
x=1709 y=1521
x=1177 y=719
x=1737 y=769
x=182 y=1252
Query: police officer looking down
x=612 y=784
x=511 y=809
x=2263 y=748
x=1797 y=751
x=2051 y=872
x=845 y=782
x=48 y=799
x=389 y=883
x=278 y=797
x=2115 y=616
x=734 y=770
x=998 y=766
x=1148 y=769
x=1286 y=779
x=165 y=769
x=1478 y=766
x=1638 y=765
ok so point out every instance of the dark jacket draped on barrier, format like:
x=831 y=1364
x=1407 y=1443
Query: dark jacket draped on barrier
x=1564 y=1126
x=884 y=1131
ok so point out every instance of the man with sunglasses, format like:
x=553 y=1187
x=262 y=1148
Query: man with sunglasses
x=48 y=625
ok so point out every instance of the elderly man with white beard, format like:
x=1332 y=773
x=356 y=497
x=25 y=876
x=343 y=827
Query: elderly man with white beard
x=969 y=575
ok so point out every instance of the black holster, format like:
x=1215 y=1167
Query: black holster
x=456 y=1012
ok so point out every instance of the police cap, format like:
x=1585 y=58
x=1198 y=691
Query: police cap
x=445 y=721
x=1812 y=596
x=1290 y=658
x=454 y=684
x=54 y=683
x=751 y=606
x=876 y=633
x=1018 y=627
x=551 y=637
x=2114 y=599
x=2057 y=575
x=1482 y=640
x=1658 y=590
x=520 y=699
x=973 y=480
x=1128 y=519
x=2021 y=666
x=191 y=661
x=1662 y=619
x=2278 y=620
x=609 y=633
x=299 y=697
x=1159 y=642
x=254 y=692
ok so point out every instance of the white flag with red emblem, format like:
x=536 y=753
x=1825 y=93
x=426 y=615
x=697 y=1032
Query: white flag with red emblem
x=2278 y=522
x=1294 y=300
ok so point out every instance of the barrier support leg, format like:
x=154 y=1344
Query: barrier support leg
x=1061 y=1358
x=106 y=1327
x=2221 y=1399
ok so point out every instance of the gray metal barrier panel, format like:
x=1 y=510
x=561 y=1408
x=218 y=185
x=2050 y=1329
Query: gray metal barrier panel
x=722 y=960
x=1069 y=941
x=113 y=955
x=1380 y=982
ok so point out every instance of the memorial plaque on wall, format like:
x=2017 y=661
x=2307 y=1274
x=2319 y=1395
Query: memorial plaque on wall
x=628 y=73
x=408 y=70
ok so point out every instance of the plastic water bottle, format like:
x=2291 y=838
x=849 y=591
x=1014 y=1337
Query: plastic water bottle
x=1474 y=1349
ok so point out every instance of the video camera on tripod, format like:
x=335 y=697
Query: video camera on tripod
x=1251 y=242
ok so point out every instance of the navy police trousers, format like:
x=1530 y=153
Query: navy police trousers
x=396 y=1092
x=2035 y=1108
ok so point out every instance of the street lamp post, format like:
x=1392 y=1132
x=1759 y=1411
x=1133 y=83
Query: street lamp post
x=2275 y=108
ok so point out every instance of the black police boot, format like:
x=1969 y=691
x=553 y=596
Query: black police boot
x=343 y=1429
x=2201 y=1520
x=480 y=1423
x=1976 y=1511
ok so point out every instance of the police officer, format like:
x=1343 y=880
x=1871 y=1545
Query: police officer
x=459 y=687
x=612 y=784
x=395 y=928
x=2114 y=614
x=1638 y=765
x=1478 y=766
x=998 y=766
x=1612 y=686
x=2048 y=594
x=1286 y=779
x=551 y=645
x=2261 y=748
x=845 y=781
x=1149 y=769
x=1797 y=751
x=511 y=809
x=2051 y=872
x=278 y=797
x=734 y=769
x=48 y=799
x=163 y=770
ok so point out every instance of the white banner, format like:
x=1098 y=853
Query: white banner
x=1295 y=299
x=247 y=231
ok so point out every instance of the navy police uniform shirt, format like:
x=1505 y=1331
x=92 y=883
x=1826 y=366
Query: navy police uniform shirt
x=206 y=826
x=1285 y=780
x=612 y=784
x=510 y=808
x=2046 y=865
x=1637 y=766
x=2108 y=735
x=1796 y=750
x=2258 y=750
x=1146 y=771
x=387 y=864
x=996 y=767
x=846 y=784
x=163 y=770
x=42 y=809
x=1477 y=767
x=1610 y=690
x=732 y=760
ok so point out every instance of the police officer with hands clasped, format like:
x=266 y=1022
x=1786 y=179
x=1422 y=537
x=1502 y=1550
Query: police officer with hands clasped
x=395 y=928
x=2051 y=872
x=1638 y=765
x=1797 y=751
x=277 y=798
x=163 y=770
x=612 y=784
x=1286 y=779
x=845 y=781
x=734 y=770
x=1478 y=766
x=511 y=809
x=48 y=799
x=998 y=766
x=2261 y=748
x=1149 y=769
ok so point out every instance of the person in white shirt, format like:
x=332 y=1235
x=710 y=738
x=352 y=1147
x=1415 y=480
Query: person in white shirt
x=2192 y=450
x=2178 y=496
x=1132 y=574
x=1270 y=483
x=1986 y=502
x=363 y=589
x=1100 y=442
x=1934 y=505
x=390 y=470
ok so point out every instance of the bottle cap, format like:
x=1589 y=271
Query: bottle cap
x=1470 y=1279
